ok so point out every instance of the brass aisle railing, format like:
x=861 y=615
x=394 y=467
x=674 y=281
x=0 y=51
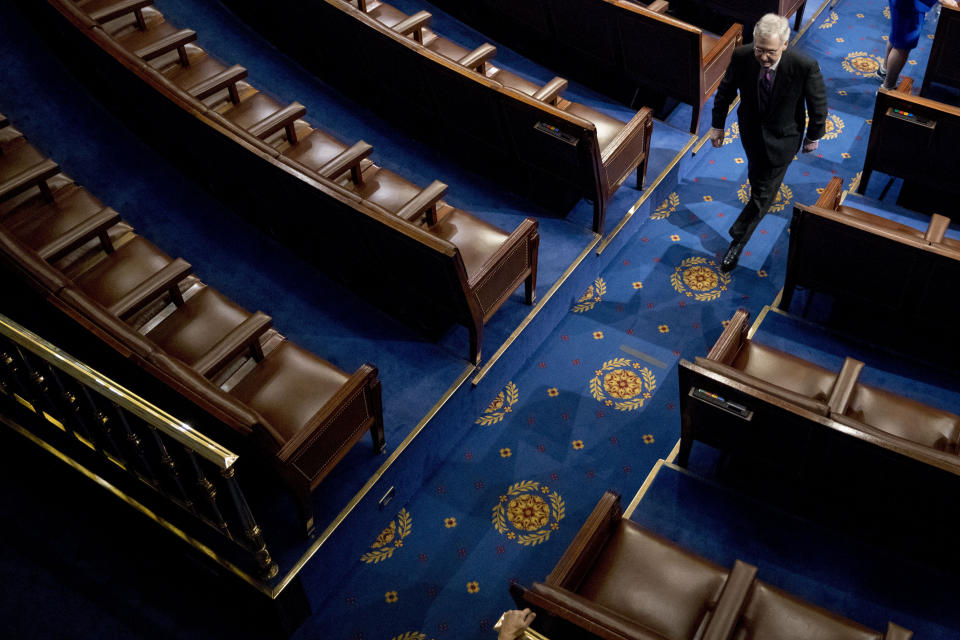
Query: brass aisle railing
x=99 y=425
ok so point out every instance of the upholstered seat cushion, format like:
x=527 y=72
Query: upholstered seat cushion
x=512 y=80
x=252 y=110
x=784 y=370
x=315 y=150
x=196 y=326
x=136 y=39
x=384 y=188
x=202 y=67
x=385 y=13
x=607 y=127
x=18 y=156
x=119 y=272
x=443 y=46
x=646 y=578
x=476 y=239
x=289 y=387
x=905 y=418
x=771 y=614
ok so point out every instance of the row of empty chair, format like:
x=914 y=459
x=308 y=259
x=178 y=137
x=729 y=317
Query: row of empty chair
x=619 y=581
x=618 y=46
x=513 y=129
x=746 y=396
x=890 y=281
x=292 y=408
x=466 y=265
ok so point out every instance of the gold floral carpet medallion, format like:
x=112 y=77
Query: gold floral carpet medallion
x=389 y=540
x=497 y=410
x=731 y=134
x=591 y=296
x=830 y=21
x=623 y=384
x=410 y=635
x=781 y=201
x=700 y=279
x=861 y=63
x=528 y=513
x=669 y=206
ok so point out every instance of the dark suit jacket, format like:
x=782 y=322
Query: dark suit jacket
x=775 y=136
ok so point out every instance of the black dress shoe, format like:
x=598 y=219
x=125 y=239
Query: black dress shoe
x=733 y=255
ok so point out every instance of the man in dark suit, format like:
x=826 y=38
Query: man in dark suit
x=778 y=90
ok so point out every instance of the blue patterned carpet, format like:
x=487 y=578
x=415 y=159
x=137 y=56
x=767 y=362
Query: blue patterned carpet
x=596 y=405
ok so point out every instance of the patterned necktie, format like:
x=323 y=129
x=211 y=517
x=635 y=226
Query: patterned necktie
x=765 y=88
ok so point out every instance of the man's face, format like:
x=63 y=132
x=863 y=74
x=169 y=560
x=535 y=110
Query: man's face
x=768 y=50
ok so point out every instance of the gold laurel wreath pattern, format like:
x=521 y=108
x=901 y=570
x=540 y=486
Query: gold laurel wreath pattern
x=854 y=60
x=648 y=385
x=731 y=134
x=781 y=201
x=830 y=21
x=886 y=12
x=669 y=205
x=411 y=635
x=500 y=406
x=676 y=279
x=404 y=524
x=591 y=297
x=854 y=182
x=557 y=512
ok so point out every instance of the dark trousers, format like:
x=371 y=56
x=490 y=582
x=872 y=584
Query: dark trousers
x=764 y=184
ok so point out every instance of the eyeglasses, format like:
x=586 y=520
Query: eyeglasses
x=767 y=52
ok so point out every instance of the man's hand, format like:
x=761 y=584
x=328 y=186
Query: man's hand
x=514 y=623
x=810 y=145
x=716 y=137
x=949 y=3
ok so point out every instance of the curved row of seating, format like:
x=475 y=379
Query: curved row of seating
x=888 y=279
x=619 y=581
x=480 y=264
x=746 y=372
x=616 y=46
x=524 y=133
x=295 y=409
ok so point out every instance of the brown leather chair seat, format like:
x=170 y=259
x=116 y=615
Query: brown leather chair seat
x=784 y=370
x=289 y=387
x=905 y=418
x=607 y=126
x=384 y=188
x=252 y=110
x=772 y=614
x=202 y=67
x=512 y=80
x=315 y=150
x=134 y=40
x=384 y=13
x=445 y=47
x=198 y=324
x=18 y=156
x=121 y=271
x=476 y=239
x=644 y=577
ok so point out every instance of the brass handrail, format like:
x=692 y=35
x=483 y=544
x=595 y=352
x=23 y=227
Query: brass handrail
x=117 y=393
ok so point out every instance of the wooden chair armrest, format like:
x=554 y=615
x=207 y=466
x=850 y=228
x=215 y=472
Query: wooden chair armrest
x=93 y=226
x=424 y=202
x=843 y=387
x=728 y=40
x=596 y=620
x=477 y=58
x=896 y=632
x=348 y=160
x=37 y=175
x=588 y=542
x=244 y=336
x=551 y=91
x=226 y=79
x=166 y=45
x=632 y=130
x=732 y=601
x=830 y=198
x=937 y=228
x=363 y=379
x=121 y=8
x=362 y=5
x=725 y=349
x=658 y=6
x=414 y=25
x=152 y=288
x=282 y=119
